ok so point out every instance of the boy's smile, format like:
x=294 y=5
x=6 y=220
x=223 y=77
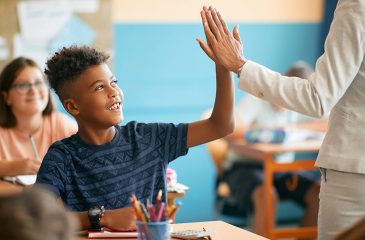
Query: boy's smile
x=115 y=105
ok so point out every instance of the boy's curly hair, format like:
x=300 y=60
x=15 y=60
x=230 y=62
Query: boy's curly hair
x=69 y=63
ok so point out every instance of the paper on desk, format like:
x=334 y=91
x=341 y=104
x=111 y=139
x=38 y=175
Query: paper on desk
x=111 y=234
x=177 y=187
x=22 y=179
x=301 y=135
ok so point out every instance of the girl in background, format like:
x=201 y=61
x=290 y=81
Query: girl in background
x=29 y=123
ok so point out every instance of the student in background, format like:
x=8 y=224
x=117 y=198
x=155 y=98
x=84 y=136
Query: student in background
x=104 y=164
x=337 y=85
x=29 y=123
x=34 y=215
x=241 y=179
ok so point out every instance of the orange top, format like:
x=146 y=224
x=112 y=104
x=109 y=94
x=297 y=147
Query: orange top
x=15 y=144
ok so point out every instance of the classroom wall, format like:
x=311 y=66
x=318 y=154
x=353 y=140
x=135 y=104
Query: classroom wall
x=100 y=22
x=166 y=77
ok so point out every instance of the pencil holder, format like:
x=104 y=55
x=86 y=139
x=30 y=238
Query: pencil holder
x=153 y=230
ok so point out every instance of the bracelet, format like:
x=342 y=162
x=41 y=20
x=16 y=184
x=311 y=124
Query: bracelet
x=239 y=71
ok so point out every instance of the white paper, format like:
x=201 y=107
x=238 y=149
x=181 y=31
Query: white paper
x=22 y=179
x=110 y=234
x=84 y=6
x=41 y=20
x=26 y=179
x=177 y=187
x=302 y=135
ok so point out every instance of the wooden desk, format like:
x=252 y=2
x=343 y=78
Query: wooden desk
x=220 y=229
x=265 y=152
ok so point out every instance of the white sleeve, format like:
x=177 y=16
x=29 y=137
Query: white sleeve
x=335 y=69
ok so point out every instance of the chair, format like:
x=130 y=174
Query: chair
x=226 y=208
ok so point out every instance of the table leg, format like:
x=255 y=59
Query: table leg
x=268 y=191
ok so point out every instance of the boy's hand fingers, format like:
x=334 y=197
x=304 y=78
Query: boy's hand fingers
x=206 y=49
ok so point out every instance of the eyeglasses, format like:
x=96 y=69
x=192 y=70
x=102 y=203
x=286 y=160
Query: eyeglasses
x=24 y=88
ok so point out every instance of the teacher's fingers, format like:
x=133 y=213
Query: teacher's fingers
x=208 y=33
x=217 y=21
x=224 y=25
x=213 y=27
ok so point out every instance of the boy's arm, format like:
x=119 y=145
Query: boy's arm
x=238 y=132
x=121 y=219
x=221 y=121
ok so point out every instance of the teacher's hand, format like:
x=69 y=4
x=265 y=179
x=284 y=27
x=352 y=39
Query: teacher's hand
x=223 y=47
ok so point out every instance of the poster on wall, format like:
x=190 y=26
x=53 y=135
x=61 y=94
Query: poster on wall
x=48 y=25
x=41 y=20
x=84 y=6
x=31 y=49
x=75 y=31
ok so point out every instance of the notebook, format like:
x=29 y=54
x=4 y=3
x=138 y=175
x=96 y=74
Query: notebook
x=22 y=179
x=112 y=234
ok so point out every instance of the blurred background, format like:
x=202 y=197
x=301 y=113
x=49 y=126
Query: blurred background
x=164 y=74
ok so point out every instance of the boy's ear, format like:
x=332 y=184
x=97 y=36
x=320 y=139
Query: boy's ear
x=71 y=106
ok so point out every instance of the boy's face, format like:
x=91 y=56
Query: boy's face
x=97 y=100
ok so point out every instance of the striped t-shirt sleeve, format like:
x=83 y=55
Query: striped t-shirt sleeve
x=175 y=139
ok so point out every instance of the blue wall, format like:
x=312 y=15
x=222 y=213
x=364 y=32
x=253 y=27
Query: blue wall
x=166 y=77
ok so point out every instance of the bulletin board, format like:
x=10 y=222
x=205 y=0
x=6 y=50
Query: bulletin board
x=100 y=21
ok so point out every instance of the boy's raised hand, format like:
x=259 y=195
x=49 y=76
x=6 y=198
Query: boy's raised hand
x=222 y=46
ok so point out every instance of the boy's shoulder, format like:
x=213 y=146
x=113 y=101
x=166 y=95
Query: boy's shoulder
x=144 y=128
x=134 y=129
x=63 y=144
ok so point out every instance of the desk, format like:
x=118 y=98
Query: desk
x=220 y=229
x=265 y=152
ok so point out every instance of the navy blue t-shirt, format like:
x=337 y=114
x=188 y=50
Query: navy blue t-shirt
x=134 y=162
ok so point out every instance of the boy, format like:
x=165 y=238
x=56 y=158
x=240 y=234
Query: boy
x=104 y=164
